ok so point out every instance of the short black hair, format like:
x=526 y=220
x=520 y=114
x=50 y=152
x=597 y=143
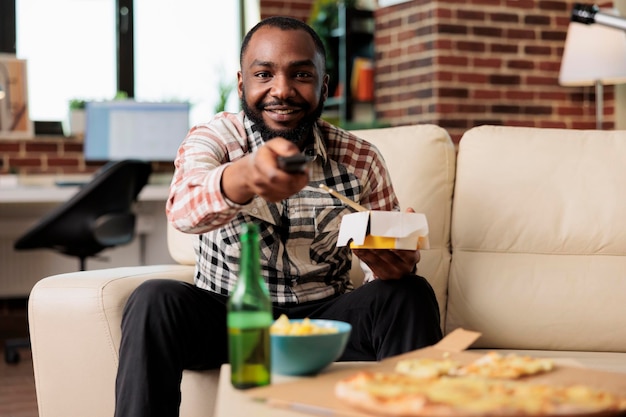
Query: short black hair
x=284 y=23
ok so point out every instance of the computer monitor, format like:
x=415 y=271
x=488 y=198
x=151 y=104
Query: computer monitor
x=127 y=129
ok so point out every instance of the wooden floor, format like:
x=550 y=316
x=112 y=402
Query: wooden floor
x=17 y=383
x=17 y=388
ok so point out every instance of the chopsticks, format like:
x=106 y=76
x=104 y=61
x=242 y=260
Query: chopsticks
x=343 y=198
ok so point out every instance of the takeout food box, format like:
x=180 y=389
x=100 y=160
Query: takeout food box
x=384 y=230
x=316 y=395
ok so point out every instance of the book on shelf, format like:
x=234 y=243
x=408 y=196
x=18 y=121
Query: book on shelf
x=362 y=79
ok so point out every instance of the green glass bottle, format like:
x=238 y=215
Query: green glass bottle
x=249 y=318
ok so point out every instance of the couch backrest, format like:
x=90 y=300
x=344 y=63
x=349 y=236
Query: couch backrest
x=539 y=239
x=421 y=161
x=181 y=245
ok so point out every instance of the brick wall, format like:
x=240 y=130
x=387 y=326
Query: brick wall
x=455 y=63
x=294 y=8
x=43 y=156
x=52 y=156
x=464 y=63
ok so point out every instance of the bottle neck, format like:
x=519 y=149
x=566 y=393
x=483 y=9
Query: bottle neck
x=249 y=264
x=251 y=289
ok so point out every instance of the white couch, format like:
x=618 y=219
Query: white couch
x=528 y=246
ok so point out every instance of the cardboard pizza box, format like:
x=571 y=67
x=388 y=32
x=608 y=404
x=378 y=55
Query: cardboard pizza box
x=315 y=394
x=384 y=230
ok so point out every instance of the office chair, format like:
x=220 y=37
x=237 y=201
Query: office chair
x=99 y=216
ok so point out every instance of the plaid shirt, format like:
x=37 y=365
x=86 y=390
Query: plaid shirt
x=299 y=257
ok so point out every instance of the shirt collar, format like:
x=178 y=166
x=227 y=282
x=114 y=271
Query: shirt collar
x=318 y=146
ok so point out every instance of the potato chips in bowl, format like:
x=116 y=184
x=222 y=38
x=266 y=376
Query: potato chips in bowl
x=306 y=346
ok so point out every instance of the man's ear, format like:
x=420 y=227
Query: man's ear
x=325 y=86
x=240 y=84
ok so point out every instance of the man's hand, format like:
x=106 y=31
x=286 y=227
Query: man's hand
x=258 y=174
x=389 y=263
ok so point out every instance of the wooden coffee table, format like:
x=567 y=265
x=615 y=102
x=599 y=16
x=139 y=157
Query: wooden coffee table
x=232 y=402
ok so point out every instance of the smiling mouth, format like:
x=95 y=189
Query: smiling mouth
x=283 y=116
x=282 y=111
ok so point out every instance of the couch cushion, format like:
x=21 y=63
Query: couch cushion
x=539 y=239
x=421 y=162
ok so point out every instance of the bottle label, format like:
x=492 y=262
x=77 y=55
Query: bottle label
x=249 y=319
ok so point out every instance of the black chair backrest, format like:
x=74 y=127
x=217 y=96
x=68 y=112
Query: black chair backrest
x=97 y=217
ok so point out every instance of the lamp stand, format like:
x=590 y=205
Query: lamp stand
x=599 y=104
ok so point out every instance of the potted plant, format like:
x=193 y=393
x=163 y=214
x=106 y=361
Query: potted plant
x=76 y=124
x=77 y=117
x=224 y=89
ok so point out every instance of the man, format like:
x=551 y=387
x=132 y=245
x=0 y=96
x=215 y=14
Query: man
x=226 y=175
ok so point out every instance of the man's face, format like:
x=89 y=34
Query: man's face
x=282 y=83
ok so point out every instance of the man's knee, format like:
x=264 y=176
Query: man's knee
x=410 y=286
x=412 y=295
x=155 y=289
x=153 y=295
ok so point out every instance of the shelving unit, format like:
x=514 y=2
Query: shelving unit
x=353 y=38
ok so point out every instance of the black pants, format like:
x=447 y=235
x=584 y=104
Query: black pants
x=169 y=326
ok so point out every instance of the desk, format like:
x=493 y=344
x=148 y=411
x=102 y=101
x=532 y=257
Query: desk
x=51 y=194
x=23 y=205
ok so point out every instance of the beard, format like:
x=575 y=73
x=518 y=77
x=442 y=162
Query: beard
x=298 y=134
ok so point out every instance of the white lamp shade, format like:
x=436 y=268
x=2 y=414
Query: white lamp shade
x=593 y=53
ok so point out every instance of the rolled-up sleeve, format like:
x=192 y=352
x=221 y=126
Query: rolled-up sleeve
x=196 y=203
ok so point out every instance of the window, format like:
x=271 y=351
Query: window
x=70 y=50
x=183 y=50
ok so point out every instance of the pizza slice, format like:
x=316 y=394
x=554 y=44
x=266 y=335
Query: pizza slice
x=394 y=394
x=427 y=367
x=510 y=366
x=491 y=365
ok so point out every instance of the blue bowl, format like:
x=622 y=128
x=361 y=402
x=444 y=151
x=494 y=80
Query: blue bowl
x=309 y=354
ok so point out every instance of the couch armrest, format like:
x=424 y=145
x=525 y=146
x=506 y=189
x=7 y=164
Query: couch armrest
x=75 y=334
